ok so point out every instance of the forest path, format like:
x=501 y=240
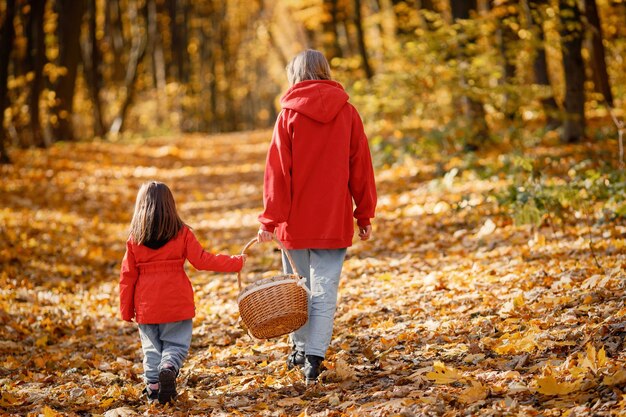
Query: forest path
x=450 y=309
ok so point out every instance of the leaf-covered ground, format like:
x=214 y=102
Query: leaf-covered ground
x=450 y=310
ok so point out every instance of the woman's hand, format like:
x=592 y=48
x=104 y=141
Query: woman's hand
x=264 y=236
x=365 y=232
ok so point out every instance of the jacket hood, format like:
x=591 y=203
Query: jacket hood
x=320 y=100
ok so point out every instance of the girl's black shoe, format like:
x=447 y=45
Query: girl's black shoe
x=312 y=368
x=167 y=391
x=151 y=395
x=295 y=359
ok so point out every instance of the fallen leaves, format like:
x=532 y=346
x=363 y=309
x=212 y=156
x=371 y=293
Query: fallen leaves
x=450 y=310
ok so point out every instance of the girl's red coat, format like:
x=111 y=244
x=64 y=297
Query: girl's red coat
x=154 y=287
x=318 y=163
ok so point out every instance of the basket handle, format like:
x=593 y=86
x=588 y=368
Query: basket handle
x=282 y=247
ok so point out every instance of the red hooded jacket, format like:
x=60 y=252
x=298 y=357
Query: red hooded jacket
x=317 y=164
x=154 y=287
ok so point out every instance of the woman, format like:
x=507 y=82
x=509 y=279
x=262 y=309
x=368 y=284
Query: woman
x=318 y=163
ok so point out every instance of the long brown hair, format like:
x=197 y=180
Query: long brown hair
x=155 y=218
x=308 y=65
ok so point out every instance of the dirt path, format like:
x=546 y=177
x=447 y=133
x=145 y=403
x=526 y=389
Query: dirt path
x=450 y=310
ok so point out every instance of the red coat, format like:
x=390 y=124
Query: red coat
x=317 y=164
x=154 y=287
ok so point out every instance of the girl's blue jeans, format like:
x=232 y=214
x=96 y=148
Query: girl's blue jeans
x=322 y=270
x=165 y=343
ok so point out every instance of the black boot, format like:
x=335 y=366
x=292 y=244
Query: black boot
x=167 y=390
x=312 y=368
x=295 y=358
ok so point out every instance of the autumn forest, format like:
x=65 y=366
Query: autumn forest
x=494 y=283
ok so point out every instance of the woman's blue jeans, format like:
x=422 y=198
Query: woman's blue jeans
x=322 y=270
x=165 y=343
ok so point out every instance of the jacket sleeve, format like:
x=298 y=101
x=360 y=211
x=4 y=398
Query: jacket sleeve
x=277 y=178
x=205 y=261
x=362 y=183
x=128 y=278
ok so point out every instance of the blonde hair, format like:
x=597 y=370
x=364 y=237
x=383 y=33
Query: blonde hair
x=155 y=218
x=308 y=65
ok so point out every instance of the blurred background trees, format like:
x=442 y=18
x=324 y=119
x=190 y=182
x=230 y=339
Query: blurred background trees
x=425 y=74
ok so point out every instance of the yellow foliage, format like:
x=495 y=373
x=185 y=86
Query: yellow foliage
x=548 y=385
x=443 y=374
x=476 y=392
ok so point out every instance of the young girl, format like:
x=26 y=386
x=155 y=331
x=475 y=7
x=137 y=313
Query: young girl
x=155 y=290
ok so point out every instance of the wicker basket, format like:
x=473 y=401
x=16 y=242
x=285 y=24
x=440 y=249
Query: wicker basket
x=272 y=307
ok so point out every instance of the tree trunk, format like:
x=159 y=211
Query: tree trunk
x=508 y=17
x=114 y=31
x=155 y=48
x=472 y=109
x=571 y=44
x=70 y=17
x=329 y=29
x=37 y=57
x=358 y=22
x=179 y=12
x=7 y=34
x=138 y=51
x=540 y=64
x=600 y=74
x=91 y=68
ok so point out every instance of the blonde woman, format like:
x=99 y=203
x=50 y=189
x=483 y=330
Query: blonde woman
x=318 y=179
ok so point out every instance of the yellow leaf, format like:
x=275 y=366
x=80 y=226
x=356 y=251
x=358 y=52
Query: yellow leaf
x=617 y=378
x=107 y=403
x=287 y=402
x=443 y=374
x=514 y=343
x=343 y=370
x=8 y=399
x=548 y=385
x=476 y=392
x=593 y=360
x=42 y=341
x=49 y=412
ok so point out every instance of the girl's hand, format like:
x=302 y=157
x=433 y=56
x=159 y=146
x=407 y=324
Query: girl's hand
x=365 y=232
x=264 y=236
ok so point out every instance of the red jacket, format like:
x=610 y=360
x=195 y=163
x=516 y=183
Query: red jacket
x=154 y=287
x=317 y=164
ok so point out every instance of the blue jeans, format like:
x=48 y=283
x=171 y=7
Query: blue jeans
x=165 y=343
x=322 y=270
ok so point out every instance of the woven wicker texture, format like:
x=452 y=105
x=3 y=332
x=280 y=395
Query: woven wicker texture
x=273 y=307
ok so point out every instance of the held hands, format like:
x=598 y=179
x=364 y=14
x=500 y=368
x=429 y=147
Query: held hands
x=264 y=236
x=365 y=232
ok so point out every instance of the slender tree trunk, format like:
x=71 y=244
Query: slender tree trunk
x=534 y=12
x=114 y=31
x=179 y=12
x=507 y=39
x=7 y=34
x=70 y=17
x=358 y=22
x=571 y=43
x=230 y=115
x=600 y=74
x=472 y=108
x=329 y=29
x=137 y=53
x=155 y=49
x=91 y=68
x=37 y=51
